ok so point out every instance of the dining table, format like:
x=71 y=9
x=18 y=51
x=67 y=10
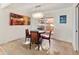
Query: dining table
x=39 y=31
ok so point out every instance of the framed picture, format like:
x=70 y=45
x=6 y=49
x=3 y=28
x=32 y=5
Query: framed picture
x=63 y=19
x=16 y=19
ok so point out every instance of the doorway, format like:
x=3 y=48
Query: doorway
x=77 y=27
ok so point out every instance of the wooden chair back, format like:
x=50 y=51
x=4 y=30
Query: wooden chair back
x=34 y=36
x=27 y=32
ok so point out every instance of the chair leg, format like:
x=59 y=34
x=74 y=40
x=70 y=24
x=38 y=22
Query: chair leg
x=49 y=42
x=30 y=45
x=38 y=46
x=25 y=38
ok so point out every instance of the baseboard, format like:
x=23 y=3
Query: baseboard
x=62 y=40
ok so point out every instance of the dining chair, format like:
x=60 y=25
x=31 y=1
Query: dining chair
x=27 y=34
x=46 y=36
x=35 y=38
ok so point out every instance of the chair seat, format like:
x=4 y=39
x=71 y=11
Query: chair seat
x=45 y=36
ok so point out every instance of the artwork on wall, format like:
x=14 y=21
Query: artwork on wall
x=16 y=19
x=63 y=19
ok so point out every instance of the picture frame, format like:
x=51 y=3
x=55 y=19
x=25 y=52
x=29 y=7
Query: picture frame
x=16 y=19
x=63 y=19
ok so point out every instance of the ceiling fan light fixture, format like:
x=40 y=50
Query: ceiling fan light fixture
x=38 y=15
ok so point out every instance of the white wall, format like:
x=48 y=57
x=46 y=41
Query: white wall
x=7 y=32
x=63 y=32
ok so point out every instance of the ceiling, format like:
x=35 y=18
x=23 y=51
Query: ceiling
x=3 y=5
x=31 y=7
